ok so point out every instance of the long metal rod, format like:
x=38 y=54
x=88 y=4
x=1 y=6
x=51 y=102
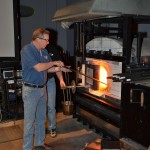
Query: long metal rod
x=69 y=90
x=84 y=75
x=74 y=86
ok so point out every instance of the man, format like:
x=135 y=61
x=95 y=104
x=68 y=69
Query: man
x=51 y=91
x=35 y=64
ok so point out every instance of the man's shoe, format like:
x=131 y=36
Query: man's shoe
x=44 y=147
x=39 y=147
x=53 y=133
x=47 y=146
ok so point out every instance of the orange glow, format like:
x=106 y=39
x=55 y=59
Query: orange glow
x=103 y=78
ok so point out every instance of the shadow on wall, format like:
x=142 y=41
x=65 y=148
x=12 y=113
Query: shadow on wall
x=65 y=55
x=53 y=44
x=57 y=53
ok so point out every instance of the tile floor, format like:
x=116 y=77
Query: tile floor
x=72 y=135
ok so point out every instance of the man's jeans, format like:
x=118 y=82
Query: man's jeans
x=51 y=90
x=34 y=116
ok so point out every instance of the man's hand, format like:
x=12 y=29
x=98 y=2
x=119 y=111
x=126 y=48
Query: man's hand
x=59 y=69
x=62 y=84
x=65 y=69
x=58 y=63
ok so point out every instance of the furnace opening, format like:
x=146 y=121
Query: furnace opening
x=103 y=78
x=100 y=70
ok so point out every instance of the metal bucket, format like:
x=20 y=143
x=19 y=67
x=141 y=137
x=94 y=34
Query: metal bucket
x=67 y=107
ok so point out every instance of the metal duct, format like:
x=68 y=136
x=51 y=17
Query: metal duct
x=91 y=9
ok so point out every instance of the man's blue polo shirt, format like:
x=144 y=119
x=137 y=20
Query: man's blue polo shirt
x=30 y=56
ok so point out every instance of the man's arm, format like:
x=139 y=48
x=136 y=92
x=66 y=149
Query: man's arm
x=45 y=66
x=61 y=79
x=59 y=69
x=59 y=74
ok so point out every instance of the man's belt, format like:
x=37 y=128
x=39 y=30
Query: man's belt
x=34 y=85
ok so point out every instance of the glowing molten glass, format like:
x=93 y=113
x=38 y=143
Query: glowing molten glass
x=103 y=78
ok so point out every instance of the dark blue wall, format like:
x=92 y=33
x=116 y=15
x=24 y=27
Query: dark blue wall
x=44 y=10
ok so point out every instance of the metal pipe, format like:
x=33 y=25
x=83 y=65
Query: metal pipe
x=74 y=86
x=84 y=75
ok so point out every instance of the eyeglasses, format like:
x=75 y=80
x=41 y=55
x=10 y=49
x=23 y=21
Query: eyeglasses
x=44 y=39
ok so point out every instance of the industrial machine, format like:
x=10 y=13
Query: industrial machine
x=112 y=63
x=117 y=101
